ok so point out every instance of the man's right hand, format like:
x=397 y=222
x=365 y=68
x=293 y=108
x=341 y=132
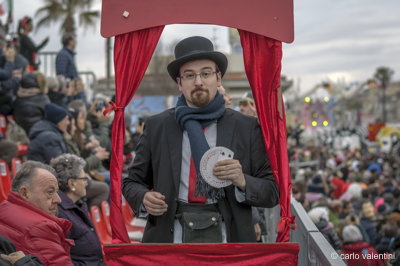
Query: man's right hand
x=154 y=203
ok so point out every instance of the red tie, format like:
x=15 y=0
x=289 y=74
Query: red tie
x=192 y=185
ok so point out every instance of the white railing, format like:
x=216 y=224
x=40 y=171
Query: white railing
x=314 y=248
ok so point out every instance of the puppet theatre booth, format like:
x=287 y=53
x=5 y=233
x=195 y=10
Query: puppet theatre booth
x=263 y=25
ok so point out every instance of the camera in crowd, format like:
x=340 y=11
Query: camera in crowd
x=100 y=105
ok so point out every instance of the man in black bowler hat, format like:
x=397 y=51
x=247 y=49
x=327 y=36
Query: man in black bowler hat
x=165 y=181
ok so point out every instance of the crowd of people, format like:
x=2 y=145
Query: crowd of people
x=64 y=142
x=352 y=196
x=50 y=116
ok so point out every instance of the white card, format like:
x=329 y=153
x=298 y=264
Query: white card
x=225 y=154
x=207 y=163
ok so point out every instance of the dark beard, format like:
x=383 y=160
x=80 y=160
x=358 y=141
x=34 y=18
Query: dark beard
x=200 y=100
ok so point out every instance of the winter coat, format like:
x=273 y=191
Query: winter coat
x=8 y=89
x=8 y=84
x=28 y=48
x=357 y=254
x=34 y=231
x=29 y=110
x=6 y=69
x=87 y=249
x=326 y=229
x=65 y=64
x=47 y=142
x=340 y=187
x=370 y=228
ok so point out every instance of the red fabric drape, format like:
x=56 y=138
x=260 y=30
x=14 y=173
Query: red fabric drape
x=207 y=254
x=262 y=61
x=132 y=54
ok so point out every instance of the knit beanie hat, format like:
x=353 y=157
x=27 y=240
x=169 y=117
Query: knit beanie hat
x=354 y=190
x=318 y=213
x=54 y=113
x=351 y=234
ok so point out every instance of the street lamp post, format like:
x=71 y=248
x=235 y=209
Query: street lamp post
x=384 y=114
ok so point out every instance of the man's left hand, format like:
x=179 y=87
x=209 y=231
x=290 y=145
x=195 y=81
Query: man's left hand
x=230 y=169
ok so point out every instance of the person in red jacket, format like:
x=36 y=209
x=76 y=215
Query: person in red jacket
x=356 y=251
x=29 y=216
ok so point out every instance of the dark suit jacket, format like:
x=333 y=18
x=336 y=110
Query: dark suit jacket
x=157 y=166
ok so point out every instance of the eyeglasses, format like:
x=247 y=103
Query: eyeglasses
x=191 y=76
x=243 y=103
x=85 y=179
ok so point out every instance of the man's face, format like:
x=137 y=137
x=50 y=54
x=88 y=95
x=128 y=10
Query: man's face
x=63 y=124
x=42 y=191
x=200 y=91
x=29 y=26
x=248 y=108
x=368 y=210
x=81 y=120
x=227 y=97
x=73 y=44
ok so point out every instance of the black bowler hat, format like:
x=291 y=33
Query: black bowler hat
x=195 y=48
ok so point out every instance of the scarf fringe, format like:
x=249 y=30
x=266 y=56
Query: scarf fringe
x=204 y=189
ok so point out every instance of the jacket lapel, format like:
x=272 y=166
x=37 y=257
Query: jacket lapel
x=175 y=135
x=225 y=128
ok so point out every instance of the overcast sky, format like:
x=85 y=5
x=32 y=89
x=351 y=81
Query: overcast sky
x=334 y=40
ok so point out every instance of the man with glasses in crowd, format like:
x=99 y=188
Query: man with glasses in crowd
x=164 y=180
x=247 y=105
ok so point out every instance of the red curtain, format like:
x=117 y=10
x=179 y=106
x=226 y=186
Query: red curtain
x=207 y=254
x=132 y=54
x=262 y=61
